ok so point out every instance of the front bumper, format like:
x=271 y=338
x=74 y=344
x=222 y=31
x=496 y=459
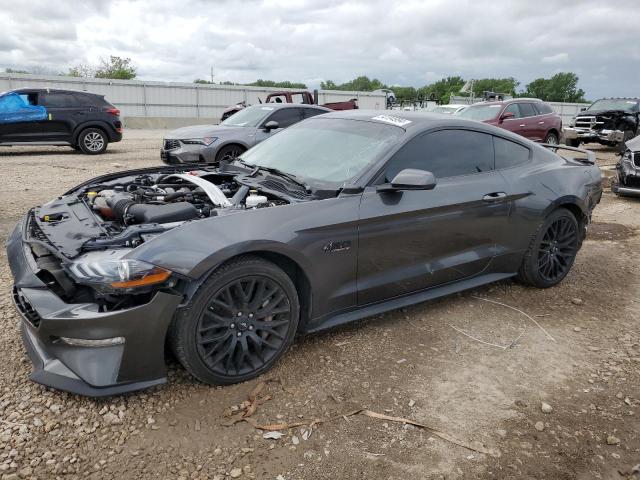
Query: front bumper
x=627 y=181
x=189 y=154
x=95 y=371
x=588 y=134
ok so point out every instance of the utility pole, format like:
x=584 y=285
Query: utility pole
x=211 y=73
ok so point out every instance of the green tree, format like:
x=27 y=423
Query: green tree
x=271 y=83
x=80 y=70
x=404 y=94
x=360 y=84
x=15 y=70
x=498 y=85
x=442 y=89
x=117 y=68
x=562 y=87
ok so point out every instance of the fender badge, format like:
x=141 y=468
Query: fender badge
x=333 y=247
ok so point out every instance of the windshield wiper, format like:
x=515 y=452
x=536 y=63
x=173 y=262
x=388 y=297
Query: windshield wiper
x=288 y=176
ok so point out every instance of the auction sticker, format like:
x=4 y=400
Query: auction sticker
x=400 y=122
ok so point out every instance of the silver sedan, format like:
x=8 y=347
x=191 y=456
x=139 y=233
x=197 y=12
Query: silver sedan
x=238 y=133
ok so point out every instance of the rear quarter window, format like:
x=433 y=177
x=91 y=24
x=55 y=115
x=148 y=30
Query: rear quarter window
x=509 y=154
x=543 y=108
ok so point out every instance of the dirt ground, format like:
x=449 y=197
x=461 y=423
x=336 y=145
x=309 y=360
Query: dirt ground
x=487 y=393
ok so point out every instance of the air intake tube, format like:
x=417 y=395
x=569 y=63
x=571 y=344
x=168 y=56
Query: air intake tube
x=129 y=212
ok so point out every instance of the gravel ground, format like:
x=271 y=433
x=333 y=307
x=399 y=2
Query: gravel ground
x=562 y=403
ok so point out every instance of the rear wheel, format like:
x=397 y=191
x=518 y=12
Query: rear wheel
x=552 y=251
x=92 y=141
x=551 y=138
x=241 y=320
x=229 y=153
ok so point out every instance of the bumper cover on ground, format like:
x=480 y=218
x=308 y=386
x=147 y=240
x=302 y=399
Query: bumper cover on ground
x=135 y=364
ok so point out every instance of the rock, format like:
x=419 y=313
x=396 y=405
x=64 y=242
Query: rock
x=539 y=426
x=25 y=472
x=577 y=329
x=272 y=435
x=546 y=408
x=295 y=440
x=37 y=422
x=577 y=301
x=111 y=418
x=217 y=451
x=612 y=440
x=235 y=472
x=412 y=403
x=502 y=433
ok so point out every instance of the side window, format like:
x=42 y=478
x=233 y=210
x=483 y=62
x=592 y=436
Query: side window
x=527 y=110
x=508 y=153
x=445 y=153
x=58 y=100
x=543 y=108
x=513 y=108
x=311 y=112
x=29 y=98
x=285 y=117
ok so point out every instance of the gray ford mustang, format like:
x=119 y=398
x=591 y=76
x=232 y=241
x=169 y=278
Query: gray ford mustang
x=250 y=126
x=340 y=217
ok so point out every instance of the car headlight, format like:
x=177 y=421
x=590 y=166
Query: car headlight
x=199 y=141
x=118 y=275
x=572 y=122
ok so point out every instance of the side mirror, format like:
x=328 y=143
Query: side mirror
x=582 y=109
x=410 y=179
x=506 y=115
x=272 y=125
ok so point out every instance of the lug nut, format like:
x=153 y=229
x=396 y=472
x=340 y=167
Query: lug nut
x=250 y=327
x=233 y=325
x=239 y=334
x=251 y=315
x=239 y=314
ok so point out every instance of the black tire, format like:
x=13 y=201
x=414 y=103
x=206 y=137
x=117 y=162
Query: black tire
x=572 y=142
x=552 y=250
x=552 y=138
x=92 y=141
x=229 y=153
x=227 y=333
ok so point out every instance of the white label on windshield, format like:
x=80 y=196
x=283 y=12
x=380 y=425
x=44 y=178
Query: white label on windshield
x=400 y=122
x=266 y=108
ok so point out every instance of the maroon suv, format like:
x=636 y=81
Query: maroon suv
x=531 y=118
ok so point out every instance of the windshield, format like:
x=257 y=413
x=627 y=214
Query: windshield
x=615 y=104
x=327 y=151
x=481 y=112
x=444 y=109
x=248 y=117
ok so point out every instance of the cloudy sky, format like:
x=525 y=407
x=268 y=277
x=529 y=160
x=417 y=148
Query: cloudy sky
x=400 y=42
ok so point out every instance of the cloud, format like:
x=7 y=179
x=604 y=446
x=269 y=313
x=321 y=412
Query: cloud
x=330 y=39
x=557 y=58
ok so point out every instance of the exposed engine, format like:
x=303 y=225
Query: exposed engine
x=172 y=198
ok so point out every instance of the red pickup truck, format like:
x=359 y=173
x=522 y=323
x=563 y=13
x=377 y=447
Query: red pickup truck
x=303 y=97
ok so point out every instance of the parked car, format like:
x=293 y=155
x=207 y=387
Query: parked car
x=85 y=121
x=529 y=117
x=627 y=181
x=451 y=109
x=340 y=217
x=608 y=121
x=302 y=97
x=214 y=143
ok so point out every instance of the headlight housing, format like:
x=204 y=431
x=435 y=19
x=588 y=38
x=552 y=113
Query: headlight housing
x=199 y=141
x=118 y=275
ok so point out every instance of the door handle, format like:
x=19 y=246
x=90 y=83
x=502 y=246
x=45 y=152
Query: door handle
x=540 y=123
x=494 y=197
x=523 y=125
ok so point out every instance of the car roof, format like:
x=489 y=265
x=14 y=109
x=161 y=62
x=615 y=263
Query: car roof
x=52 y=90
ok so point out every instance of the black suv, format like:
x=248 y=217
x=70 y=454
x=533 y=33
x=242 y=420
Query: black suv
x=85 y=121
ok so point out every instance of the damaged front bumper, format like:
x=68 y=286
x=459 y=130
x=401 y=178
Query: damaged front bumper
x=588 y=134
x=627 y=181
x=80 y=349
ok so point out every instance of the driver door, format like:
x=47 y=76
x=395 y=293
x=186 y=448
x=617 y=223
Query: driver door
x=416 y=239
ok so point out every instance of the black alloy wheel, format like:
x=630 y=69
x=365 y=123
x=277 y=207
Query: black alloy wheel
x=552 y=250
x=244 y=325
x=229 y=153
x=558 y=249
x=238 y=323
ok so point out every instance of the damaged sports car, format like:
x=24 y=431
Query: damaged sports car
x=627 y=181
x=337 y=218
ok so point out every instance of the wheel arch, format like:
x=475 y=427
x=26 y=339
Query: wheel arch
x=576 y=206
x=91 y=124
x=235 y=142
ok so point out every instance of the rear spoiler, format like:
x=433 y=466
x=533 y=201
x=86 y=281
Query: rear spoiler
x=590 y=156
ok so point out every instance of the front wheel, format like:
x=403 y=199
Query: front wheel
x=229 y=153
x=92 y=141
x=552 y=251
x=240 y=321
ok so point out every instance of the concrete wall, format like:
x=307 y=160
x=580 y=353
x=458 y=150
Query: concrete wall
x=144 y=104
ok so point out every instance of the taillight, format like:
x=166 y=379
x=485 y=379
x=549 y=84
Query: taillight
x=113 y=111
